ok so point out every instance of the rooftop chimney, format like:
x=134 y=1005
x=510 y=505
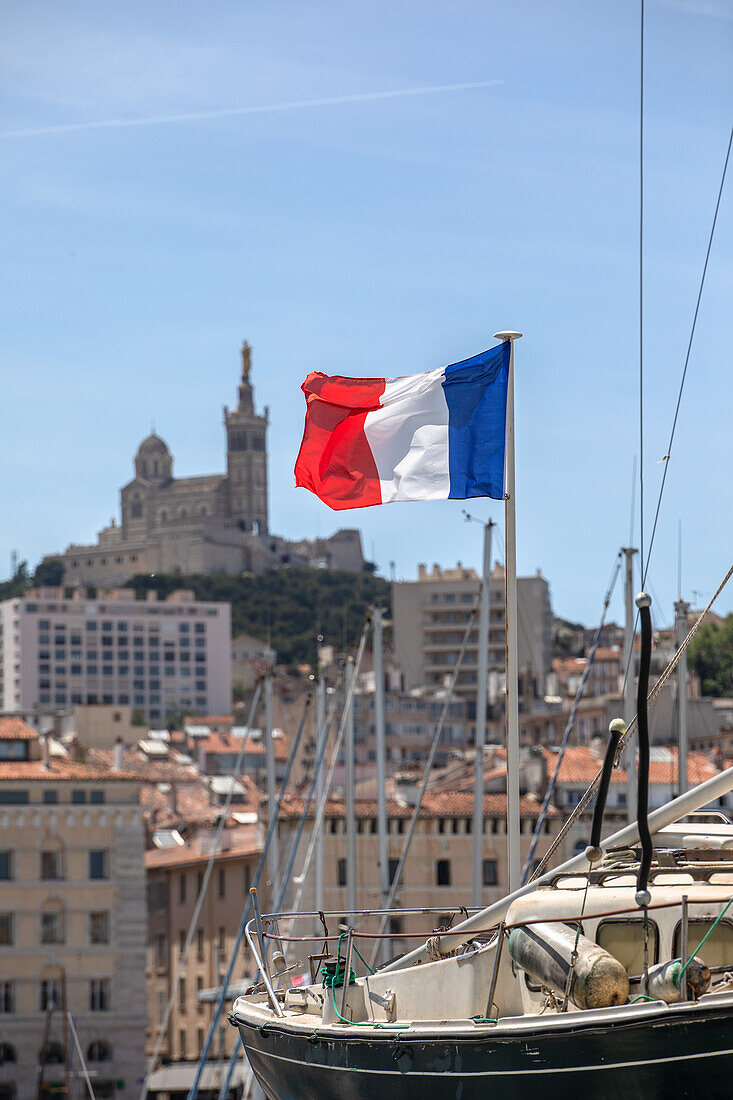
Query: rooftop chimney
x=45 y=752
x=119 y=757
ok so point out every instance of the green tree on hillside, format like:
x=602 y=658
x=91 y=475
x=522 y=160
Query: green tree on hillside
x=711 y=656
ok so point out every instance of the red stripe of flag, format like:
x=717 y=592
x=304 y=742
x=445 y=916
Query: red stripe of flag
x=335 y=461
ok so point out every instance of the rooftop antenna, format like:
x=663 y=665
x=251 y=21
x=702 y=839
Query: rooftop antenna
x=13 y=563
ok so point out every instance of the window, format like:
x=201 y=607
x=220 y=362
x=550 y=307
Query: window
x=199 y=882
x=396 y=926
x=50 y=995
x=99 y=995
x=442 y=872
x=182 y=994
x=160 y=948
x=78 y=798
x=393 y=864
x=6 y=929
x=200 y=944
x=342 y=872
x=490 y=877
x=718 y=949
x=50 y=798
x=7 y=1053
x=222 y=882
x=99 y=1051
x=222 y=939
x=52 y=923
x=99 y=926
x=246 y=879
x=624 y=939
x=6 y=865
x=96 y=797
x=53 y=1054
x=98 y=864
x=181 y=941
x=51 y=864
x=13 y=798
x=7 y=996
x=182 y=1043
x=182 y=888
x=199 y=1002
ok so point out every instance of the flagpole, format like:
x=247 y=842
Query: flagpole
x=480 y=740
x=512 y=666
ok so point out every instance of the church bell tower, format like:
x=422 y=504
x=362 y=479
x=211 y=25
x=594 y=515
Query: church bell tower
x=247 y=456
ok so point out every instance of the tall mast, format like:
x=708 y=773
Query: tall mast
x=274 y=854
x=481 y=700
x=512 y=667
x=350 y=803
x=681 y=612
x=378 y=644
x=320 y=786
x=629 y=702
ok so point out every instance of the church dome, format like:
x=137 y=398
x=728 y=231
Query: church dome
x=153 y=461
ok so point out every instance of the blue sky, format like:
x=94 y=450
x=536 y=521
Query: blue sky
x=384 y=235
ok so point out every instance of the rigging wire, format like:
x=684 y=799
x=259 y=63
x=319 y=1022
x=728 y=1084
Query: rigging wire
x=641 y=284
x=223 y=816
x=668 y=455
x=578 y=810
x=571 y=721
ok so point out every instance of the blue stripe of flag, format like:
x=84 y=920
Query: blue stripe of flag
x=475 y=392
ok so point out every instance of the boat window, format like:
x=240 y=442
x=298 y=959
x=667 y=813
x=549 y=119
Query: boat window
x=716 y=951
x=624 y=939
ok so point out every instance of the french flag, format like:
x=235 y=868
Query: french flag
x=431 y=436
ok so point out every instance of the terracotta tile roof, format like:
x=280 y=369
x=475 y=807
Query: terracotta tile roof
x=219 y=742
x=444 y=804
x=247 y=843
x=62 y=771
x=154 y=771
x=580 y=766
x=13 y=728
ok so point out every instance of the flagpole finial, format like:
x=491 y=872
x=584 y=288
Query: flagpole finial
x=508 y=335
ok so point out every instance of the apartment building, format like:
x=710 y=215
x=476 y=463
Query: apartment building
x=175 y=875
x=72 y=921
x=430 y=618
x=155 y=656
x=410 y=723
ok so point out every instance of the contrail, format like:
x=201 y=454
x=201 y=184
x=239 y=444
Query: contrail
x=231 y=112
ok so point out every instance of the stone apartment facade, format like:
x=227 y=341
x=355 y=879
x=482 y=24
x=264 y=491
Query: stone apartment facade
x=72 y=920
x=430 y=617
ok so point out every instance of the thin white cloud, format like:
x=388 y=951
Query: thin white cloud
x=231 y=112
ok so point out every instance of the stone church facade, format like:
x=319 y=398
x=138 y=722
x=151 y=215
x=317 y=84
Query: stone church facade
x=213 y=523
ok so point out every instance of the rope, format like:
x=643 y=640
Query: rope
x=578 y=810
x=668 y=455
x=569 y=726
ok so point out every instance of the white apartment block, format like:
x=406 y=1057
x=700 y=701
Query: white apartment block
x=153 y=655
x=430 y=619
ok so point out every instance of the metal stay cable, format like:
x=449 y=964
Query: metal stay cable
x=641 y=281
x=321 y=808
x=270 y=838
x=397 y=879
x=200 y=900
x=668 y=455
x=578 y=810
x=570 y=722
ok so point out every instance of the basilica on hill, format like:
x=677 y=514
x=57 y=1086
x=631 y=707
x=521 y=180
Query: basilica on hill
x=208 y=524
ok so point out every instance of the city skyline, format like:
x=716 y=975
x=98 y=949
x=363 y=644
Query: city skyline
x=387 y=233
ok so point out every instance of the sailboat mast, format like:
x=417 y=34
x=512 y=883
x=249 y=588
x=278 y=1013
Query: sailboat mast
x=378 y=645
x=512 y=665
x=274 y=857
x=481 y=700
x=350 y=804
x=320 y=786
x=681 y=612
x=629 y=702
